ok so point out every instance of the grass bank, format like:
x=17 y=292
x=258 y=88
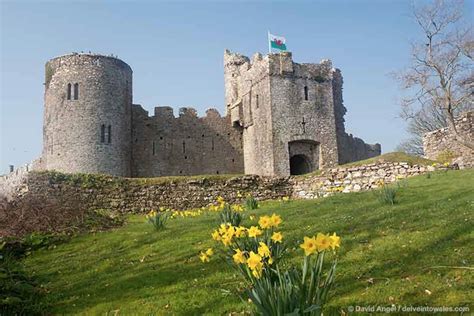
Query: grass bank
x=412 y=253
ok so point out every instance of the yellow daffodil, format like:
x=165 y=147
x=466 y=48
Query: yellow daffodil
x=239 y=256
x=237 y=208
x=216 y=236
x=231 y=231
x=220 y=199
x=270 y=261
x=335 y=241
x=322 y=242
x=251 y=217
x=309 y=245
x=240 y=231
x=223 y=229
x=204 y=257
x=239 y=195
x=265 y=222
x=254 y=261
x=275 y=220
x=285 y=199
x=277 y=237
x=263 y=250
x=209 y=252
x=257 y=273
x=254 y=231
x=226 y=240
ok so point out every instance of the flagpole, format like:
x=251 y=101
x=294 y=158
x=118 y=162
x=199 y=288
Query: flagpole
x=269 y=44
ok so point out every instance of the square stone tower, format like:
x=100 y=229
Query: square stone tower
x=285 y=110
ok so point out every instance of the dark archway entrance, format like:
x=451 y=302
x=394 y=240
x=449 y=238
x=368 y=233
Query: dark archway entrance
x=299 y=164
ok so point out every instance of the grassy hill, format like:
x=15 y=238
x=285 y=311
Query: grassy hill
x=392 y=157
x=415 y=252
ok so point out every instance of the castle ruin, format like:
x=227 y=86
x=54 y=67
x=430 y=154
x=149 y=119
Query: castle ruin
x=281 y=118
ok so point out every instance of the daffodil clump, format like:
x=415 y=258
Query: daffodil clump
x=256 y=252
x=218 y=206
x=188 y=213
x=336 y=189
x=253 y=249
x=251 y=202
x=298 y=291
x=158 y=219
x=285 y=199
x=205 y=256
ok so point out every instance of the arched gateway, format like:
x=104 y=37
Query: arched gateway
x=304 y=156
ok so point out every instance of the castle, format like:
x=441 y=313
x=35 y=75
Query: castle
x=281 y=118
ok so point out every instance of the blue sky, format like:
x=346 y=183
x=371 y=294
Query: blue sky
x=175 y=50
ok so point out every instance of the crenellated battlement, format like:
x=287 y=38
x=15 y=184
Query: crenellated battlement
x=168 y=112
x=185 y=143
x=276 y=110
x=279 y=64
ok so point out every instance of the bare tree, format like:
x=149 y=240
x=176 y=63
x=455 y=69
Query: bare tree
x=440 y=78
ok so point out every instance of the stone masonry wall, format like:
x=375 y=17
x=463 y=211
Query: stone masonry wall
x=73 y=137
x=11 y=182
x=442 y=141
x=248 y=102
x=354 y=179
x=350 y=148
x=165 y=145
x=141 y=195
x=283 y=107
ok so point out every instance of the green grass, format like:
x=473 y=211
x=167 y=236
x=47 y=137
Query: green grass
x=389 y=255
x=392 y=157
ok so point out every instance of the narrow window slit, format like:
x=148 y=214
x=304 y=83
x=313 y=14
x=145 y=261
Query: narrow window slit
x=102 y=133
x=76 y=91
x=69 y=91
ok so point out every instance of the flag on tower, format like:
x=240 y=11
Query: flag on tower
x=277 y=42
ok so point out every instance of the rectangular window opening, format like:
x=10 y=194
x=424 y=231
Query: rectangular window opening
x=76 y=91
x=102 y=133
x=109 y=134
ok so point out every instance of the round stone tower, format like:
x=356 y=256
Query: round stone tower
x=87 y=115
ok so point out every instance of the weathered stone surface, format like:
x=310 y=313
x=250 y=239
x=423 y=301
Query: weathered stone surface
x=276 y=110
x=442 y=142
x=286 y=110
x=138 y=195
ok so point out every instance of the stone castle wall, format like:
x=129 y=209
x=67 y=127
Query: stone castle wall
x=276 y=110
x=288 y=109
x=142 y=195
x=303 y=121
x=185 y=145
x=350 y=148
x=74 y=139
x=442 y=142
x=248 y=103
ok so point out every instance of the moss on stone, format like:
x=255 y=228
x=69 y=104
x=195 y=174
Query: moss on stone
x=49 y=73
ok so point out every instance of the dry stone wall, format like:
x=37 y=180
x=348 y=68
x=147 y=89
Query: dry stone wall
x=141 y=195
x=441 y=142
x=354 y=179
